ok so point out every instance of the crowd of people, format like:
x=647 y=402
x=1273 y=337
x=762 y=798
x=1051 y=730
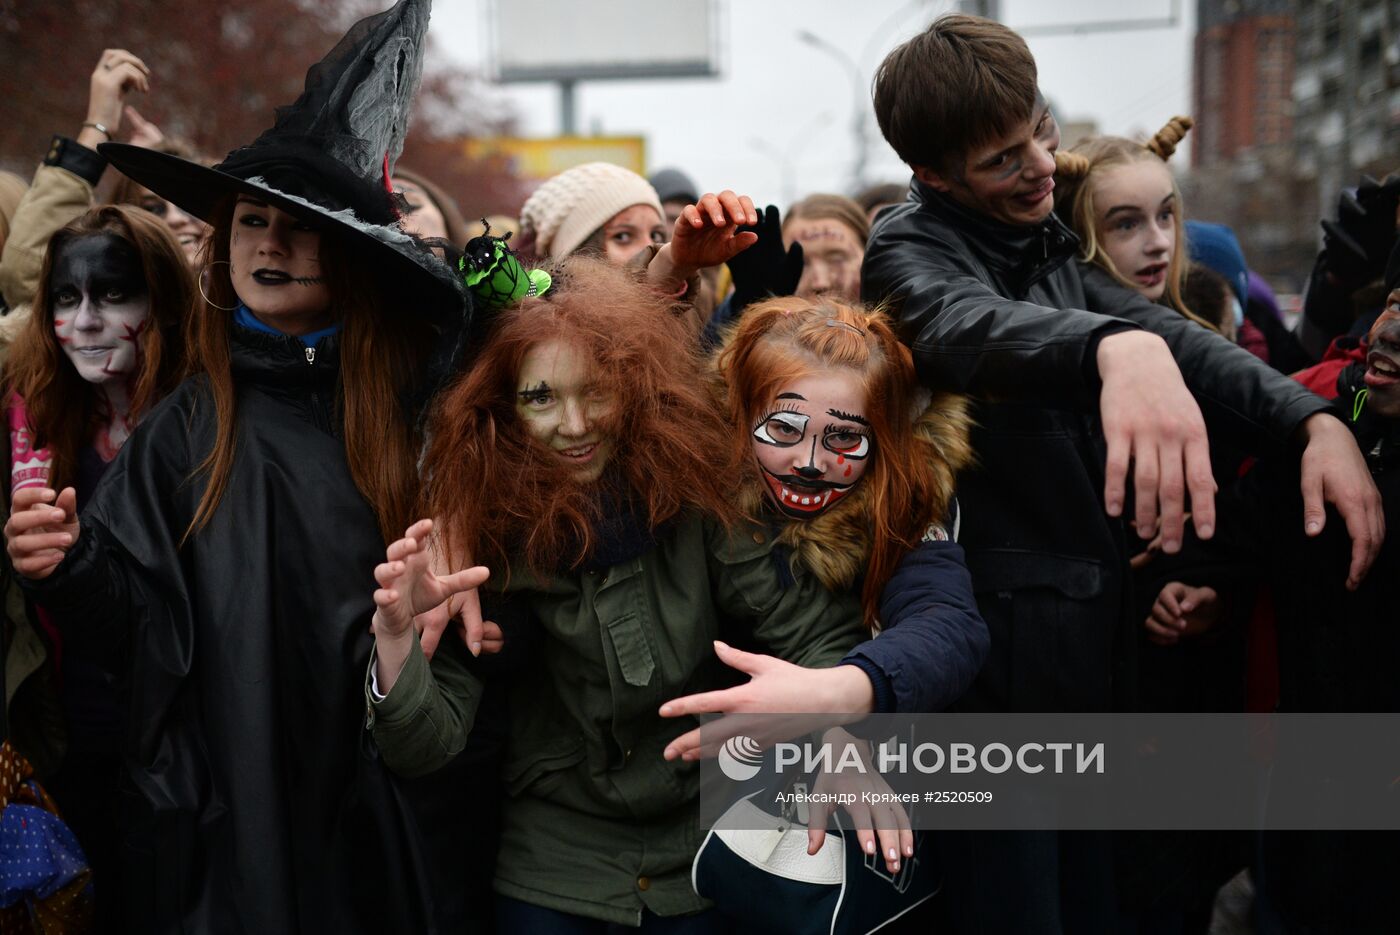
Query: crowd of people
x=368 y=573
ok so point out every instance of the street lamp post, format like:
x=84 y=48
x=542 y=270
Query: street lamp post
x=859 y=105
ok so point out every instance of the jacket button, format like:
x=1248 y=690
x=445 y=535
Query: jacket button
x=758 y=537
x=643 y=884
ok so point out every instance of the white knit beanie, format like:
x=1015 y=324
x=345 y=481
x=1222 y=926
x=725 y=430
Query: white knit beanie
x=565 y=210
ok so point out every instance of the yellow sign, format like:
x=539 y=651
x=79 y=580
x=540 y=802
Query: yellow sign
x=545 y=158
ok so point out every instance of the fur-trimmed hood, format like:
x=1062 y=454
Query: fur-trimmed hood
x=836 y=544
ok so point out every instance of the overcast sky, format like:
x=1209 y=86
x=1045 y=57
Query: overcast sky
x=780 y=100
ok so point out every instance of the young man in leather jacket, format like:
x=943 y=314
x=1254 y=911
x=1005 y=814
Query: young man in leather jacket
x=1095 y=410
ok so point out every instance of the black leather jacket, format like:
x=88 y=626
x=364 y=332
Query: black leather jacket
x=1004 y=313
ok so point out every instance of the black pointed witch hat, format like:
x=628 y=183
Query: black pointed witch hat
x=328 y=156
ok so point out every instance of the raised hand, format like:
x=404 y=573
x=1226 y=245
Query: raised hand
x=143 y=132
x=707 y=233
x=42 y=527
x=408 y=587
x=117 y=74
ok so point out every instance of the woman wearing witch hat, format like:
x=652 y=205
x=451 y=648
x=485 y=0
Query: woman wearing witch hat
x=231 y=539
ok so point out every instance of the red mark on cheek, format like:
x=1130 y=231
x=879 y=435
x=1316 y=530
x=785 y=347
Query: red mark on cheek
x=60 y=322
x=848 y=471
x=65 y=340
x=840 y=459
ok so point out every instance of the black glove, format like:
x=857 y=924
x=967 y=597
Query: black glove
x=1357 y=244
x=765 y=269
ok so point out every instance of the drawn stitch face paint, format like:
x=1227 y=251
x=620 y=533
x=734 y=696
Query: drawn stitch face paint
x=561 y=407
x=100 y=306
x=831 y=254
x=275 y=267
x=814 y=444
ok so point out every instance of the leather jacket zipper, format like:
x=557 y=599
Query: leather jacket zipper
x=319 y=418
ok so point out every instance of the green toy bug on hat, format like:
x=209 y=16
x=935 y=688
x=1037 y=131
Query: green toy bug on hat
x=495 y=275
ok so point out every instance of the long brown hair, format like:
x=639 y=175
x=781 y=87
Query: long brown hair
x=908 y=482
x=381 y=360
x=498 y=494
x=1074 y=201
x=62 y=409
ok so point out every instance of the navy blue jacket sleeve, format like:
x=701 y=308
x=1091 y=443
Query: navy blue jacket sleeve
x=933 y=642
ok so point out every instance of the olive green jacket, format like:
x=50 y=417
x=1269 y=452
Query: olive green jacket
x=597 y=823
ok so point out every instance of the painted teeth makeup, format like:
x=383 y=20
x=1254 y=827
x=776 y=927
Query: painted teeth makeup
x=814 y=443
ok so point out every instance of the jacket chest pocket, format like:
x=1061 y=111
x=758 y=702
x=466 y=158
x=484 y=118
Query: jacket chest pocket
x=631 y=649
x=1055 y=627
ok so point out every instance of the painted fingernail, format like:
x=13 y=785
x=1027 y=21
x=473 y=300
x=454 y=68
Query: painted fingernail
x=908 y=850
x=476 y=649
x=870 y=847
x=1314 y=526
x=894 y=855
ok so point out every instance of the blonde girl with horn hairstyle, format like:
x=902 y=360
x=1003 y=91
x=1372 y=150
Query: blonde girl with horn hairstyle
x=1122 y=200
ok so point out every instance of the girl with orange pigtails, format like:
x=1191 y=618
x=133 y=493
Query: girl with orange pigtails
x=853 y=468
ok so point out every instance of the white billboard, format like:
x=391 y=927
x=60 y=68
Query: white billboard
x=585 y=40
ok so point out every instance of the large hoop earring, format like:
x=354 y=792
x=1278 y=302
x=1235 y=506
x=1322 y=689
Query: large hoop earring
x=204 y=295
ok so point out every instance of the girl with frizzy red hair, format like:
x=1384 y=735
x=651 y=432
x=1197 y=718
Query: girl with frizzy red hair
x=583 y=459
x=501 y=496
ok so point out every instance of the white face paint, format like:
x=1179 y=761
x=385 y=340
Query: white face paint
x=814 y=443
x=100 y=306
x=1135 y=206
x=561 y=408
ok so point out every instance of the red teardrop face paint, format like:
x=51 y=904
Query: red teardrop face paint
x=814 y=443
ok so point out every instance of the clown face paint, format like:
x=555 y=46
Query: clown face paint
x=100 y=306
x=814 y=443
x=561 y=407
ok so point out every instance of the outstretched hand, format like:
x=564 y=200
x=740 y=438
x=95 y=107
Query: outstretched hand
x=42 y=527
x=409 y=587
x=1151 y=421
x=838 y=694
x=1334 y=471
